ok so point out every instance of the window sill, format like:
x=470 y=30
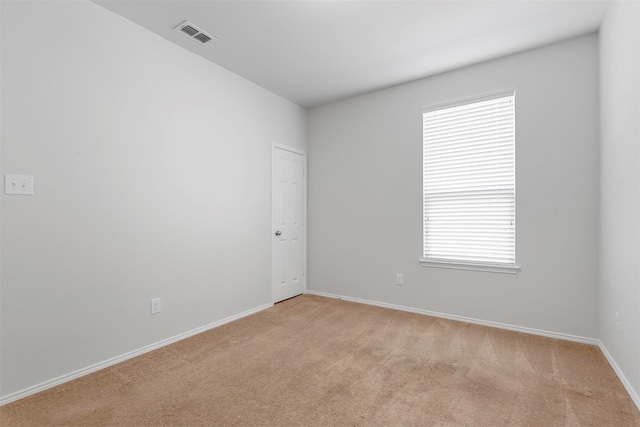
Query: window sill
x=507 y=269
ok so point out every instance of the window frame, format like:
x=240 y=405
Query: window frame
x=510 y=268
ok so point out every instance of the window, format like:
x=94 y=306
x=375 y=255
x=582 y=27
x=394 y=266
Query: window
x=469 y=184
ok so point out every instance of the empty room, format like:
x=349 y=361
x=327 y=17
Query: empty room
x=371 y=213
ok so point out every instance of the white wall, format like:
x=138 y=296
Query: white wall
x=152 y=171
x=365 y=194
x=620 y=187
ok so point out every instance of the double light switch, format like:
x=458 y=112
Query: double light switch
x=18 y=184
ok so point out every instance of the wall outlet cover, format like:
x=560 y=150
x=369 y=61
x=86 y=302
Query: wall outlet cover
x=156 y=306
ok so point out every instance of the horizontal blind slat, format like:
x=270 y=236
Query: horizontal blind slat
x=442 y=122
x=460 y=132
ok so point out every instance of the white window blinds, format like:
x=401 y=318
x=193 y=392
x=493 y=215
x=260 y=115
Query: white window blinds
x=469 y=182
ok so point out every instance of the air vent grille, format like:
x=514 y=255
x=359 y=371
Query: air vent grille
x=194 y=32
x=189 y=30
x=202 y=38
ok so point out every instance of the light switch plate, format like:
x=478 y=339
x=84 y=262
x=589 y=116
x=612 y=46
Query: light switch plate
x=18 y=184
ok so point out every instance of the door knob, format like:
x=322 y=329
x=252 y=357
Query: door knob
x=278 y=233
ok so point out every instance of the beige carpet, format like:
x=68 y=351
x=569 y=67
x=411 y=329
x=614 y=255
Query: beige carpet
x=318 y=361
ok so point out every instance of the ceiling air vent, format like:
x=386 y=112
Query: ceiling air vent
x=194 y=32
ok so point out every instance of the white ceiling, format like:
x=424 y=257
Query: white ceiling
x=315 y=52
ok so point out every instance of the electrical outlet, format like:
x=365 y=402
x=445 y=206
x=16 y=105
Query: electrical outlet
x=399 y=279
x=617 y=317
x=155 y=306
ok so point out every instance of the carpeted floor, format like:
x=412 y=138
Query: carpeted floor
x=318 y=361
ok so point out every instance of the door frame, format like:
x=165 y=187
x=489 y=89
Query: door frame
x=274 y=147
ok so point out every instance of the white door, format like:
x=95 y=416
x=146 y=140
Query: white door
x=288 y=188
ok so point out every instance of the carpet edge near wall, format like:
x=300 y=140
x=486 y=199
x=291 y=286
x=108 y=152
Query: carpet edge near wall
x=45 y=385
x=20 y=394
x=635 y=396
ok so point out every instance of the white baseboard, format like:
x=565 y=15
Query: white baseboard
x=114 y=360
x=533 y=331
x=625 y=382
x=98 y=366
